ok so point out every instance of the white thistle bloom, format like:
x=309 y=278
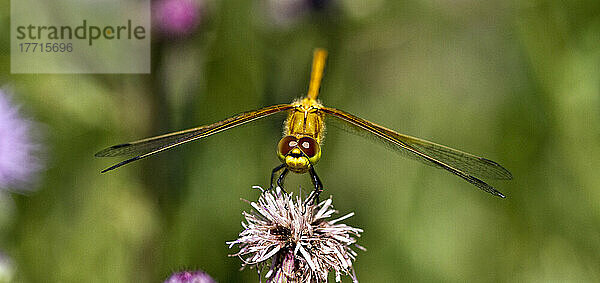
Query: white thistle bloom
x=297 y=239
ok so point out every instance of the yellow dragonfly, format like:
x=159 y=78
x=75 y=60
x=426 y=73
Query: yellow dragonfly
x=300 y=148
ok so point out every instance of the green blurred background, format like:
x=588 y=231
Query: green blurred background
x=515 y=81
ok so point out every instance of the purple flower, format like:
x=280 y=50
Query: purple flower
x=298 y=240
x=190 y=277
x=285 y=12
x=18 y=162
x=176 y=17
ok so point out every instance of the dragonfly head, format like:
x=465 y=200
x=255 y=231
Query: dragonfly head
x=298 y=153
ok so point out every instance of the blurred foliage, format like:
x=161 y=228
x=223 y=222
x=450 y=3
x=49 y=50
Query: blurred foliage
x=515 y=81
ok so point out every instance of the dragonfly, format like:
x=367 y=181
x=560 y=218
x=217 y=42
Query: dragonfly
x=299 y=149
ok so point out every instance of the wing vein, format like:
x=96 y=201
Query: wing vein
x=150 y=146
x=409 y=145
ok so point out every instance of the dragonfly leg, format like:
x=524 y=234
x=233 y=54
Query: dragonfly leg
x=281 y=178
x=318 y=186
x=273 y=173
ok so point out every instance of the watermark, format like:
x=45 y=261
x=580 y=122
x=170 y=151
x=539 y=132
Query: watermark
x=80 y=36
x=90 y=33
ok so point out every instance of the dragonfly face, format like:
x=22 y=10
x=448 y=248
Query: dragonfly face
x=300 y=148
x=298 y=154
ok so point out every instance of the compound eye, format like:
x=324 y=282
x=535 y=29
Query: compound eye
x=286 y=144
x=309 y=146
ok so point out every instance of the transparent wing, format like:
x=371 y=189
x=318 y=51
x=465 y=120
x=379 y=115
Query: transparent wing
x=457 y=162
x=146 y=147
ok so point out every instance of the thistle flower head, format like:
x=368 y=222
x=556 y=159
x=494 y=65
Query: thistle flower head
x=190 y=277
x=17 y=149
x=177 y=18
x=296 y=239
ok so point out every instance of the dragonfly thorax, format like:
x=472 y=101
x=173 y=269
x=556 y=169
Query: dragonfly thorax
x=306 y=119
